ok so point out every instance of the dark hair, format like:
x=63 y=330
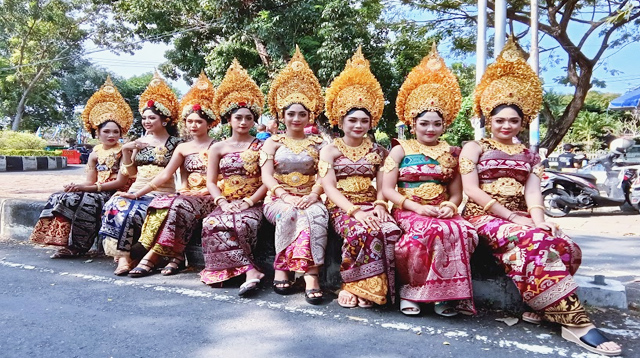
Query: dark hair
x=200 y=113
x=225 y=119
x=353 y=110
x=567 y=147
x=101 y=125
x=503 y=106
x=172 y=129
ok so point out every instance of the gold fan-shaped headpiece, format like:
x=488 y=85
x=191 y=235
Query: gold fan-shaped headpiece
x=105 y=105
x=355 y=87
x=199 y=98
x=237 y=90
x=430 y=86
x=158 y=95
x=296 y=83
x=509 y=80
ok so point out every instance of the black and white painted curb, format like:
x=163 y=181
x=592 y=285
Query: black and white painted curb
x=17 y=164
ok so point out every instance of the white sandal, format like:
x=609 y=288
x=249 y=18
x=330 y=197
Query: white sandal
x=409 y=308
x=441 y=308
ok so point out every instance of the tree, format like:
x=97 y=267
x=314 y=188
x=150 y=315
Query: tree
x=605 y=25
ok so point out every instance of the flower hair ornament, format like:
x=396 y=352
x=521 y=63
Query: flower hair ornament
x=355 y=87
x=296 y=83
x=160 y=97
x=200 y=98
x=107 y=104
x=237 y=90
x=430 y=86
x=511 y=81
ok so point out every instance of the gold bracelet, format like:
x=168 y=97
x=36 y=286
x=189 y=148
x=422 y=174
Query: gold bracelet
x=401 y=203
x=453 y=206
x=535 y=207
x=276 y=187
x=218 y=198
x=127 y=165
x=381 y=202
x=152 y=186
x=489 y=205
x=248 y=201
x=353 y=209
x=98 y=187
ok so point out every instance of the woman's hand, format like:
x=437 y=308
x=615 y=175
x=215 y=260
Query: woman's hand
x=307 y=200
x=549 y=227
x=428 y=210
x=131 y=196
x=290 y=199
x=230 y=207
x=368 y=219
x=381 y=213
x=71 y=187
x=523 y=220
x=445 y=212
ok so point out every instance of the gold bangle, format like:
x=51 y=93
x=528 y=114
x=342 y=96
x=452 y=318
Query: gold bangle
x=127 y=165
x=380 y=202
x=453 y=206
x=276 y=187
x=248 y=201
x=152 y=186
x=489 y=205
x=218 y=198
x=401 y=203
x=98 y=187
x=535 y=207
x=353 y=209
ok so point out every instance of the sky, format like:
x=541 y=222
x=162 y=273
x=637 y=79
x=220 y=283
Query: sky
x=623 y=61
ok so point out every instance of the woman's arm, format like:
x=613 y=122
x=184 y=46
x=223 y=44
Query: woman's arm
x=177 y=158
x=269 y=149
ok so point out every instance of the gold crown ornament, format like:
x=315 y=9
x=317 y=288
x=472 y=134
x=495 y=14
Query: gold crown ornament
x=296 y=83
x=355 y=87
x=237 y=90
x=107 y=104
x=158 y=95
x=430 y=86
x=199 y=98
x=511 y=81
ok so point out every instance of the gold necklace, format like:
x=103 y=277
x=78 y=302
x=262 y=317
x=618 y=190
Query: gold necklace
x=354 y=153
x=295 y=145
x=107 y=157
x=510 y=149
x=432 y=151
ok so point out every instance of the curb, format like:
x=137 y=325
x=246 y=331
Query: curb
x=491 y=288
x=16 y=164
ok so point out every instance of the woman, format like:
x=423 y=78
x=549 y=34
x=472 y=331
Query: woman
x=146 y=157
x=348 y=166
x=502 y=181
x=289 y=168
x=71 y=219
x=171 y=218
x=433 y=255
x=230 y=232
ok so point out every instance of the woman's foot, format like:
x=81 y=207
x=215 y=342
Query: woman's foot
x=532 y=317
x=124 y=266
x=347 y=299
x=409 y=308
x=591 y=339
x=251 y=283
x=144 y=268
x=364 y=303
x=312 y=292
x=173 y=267
x=281 y=283
x=445 y=309
x=65 y=252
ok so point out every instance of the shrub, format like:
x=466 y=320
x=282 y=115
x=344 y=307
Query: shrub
x=21 y=141
x=30 y=153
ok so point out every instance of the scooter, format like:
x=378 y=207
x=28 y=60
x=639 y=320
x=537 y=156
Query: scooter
x=634 y=193
x=564 y=191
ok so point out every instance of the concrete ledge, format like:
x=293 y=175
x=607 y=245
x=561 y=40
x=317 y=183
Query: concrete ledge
x=492 y=288
x=15 y=163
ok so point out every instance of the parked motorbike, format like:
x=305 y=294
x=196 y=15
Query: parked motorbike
x=634 y=192
x=565 y=191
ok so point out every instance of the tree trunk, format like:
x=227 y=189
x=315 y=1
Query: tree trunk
x=23 y=100
x=262 y=52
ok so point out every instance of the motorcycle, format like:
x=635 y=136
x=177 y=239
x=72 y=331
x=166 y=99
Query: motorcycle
x=565 y=191
x=634 y=194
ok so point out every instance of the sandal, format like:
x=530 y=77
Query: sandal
x=444 y=309
x=123 y=270
x=409 y=308
x=531 y=317
x=347 y=305
x=65 y=252
x=363 y=303
x=285 y=290
x=144 y=268
x=250 y=286
x=313 y=300
x=590 y=341
x=170 y=269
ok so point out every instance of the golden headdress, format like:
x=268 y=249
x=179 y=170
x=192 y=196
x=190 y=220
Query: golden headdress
x=296 y=83
x=430 y=86
x=355 y=87
x=509 y=80
x=158 y=95
x=237 y=90
x=107 y=104
x=199 y=98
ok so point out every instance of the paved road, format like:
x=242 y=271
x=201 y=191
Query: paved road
x=75 y=308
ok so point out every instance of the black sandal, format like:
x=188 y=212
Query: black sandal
x=313 y=300
x=140 y=270
x=282 y=290
x=170 y=270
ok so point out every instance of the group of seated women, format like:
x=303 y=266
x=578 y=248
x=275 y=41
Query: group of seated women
x=421 y=247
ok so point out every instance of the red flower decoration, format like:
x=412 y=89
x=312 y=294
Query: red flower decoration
x=196 y=107
x=150 y=103
x=242 y=104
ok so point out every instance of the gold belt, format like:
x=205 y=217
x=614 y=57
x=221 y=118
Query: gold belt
x=354 y=184
x=503 y=187
x=293 y=179
x=149 y=170
x=425 y=191
x=238 y=186
x=196 y=181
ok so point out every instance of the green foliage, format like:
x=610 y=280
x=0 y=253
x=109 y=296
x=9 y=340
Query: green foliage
x=21 y=141
x=461 y=130
x=30 y=153
x=383 y=139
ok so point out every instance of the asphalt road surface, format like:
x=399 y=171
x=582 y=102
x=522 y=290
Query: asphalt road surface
x=77 y=308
